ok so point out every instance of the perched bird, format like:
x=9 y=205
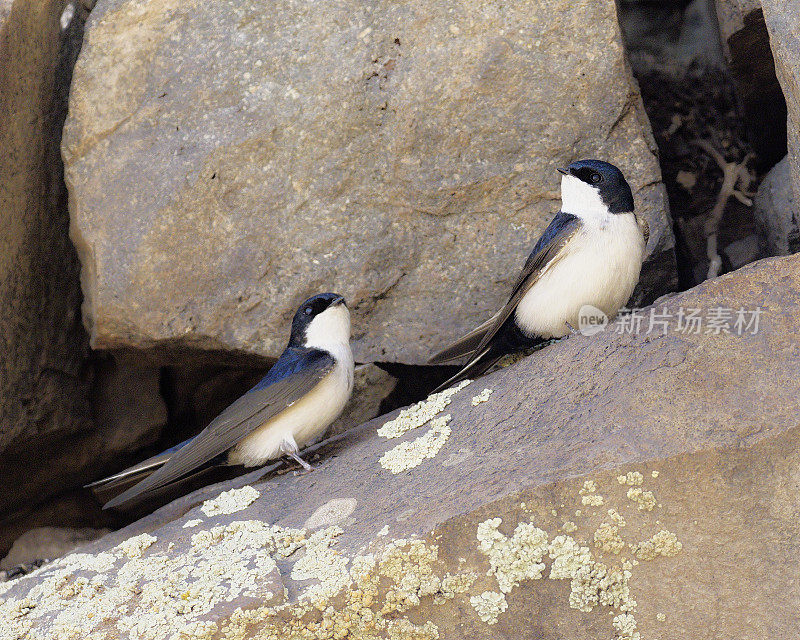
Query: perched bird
x=590 y=254
x=290 y=407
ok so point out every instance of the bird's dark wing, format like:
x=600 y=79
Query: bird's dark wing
x=132 y=475
x=547 y=249
x=296 y=372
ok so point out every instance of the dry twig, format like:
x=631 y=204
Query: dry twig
x=733 y=174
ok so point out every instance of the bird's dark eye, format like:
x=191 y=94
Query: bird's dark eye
x=596 y=177
x=308 y=311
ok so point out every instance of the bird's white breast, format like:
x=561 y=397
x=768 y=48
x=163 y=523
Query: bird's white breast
x=599 y=266
x=306 y=420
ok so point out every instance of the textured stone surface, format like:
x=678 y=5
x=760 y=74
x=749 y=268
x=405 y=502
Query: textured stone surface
x=48 y=543
x=690 y=438
x=43 y=387
x=777 y=212
x=224 y=162
x=783 y=23
x=63 y=413
x=746 y=42
x=732 y=15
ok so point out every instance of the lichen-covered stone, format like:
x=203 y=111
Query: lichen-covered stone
x=704 y=422
x=226 y=161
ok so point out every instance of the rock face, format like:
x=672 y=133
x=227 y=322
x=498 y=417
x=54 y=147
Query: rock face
x=777 y=212
x=47 y=543
x=224 y=162
x=61 y=412
x=603 y=487
x=746 y=40
x=43 y=345
x=783 y=23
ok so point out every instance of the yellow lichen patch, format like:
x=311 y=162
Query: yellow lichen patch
x=483 y=396
x=664 y=543
x=568 y=556
x=322 y=563
x=569 y=527
x=408 y=564
x=645 y=500
x=632 y=479
x=616 y=518
x=420 y=413
x=592 y=582
x=136 y=546
x=654 y=474
x=231 y=501
x=453 y=585
x=607 y=538
x=625 y=624
x=489 y=605
x=380 y=588
x=592 y=501
x=408 y=455
x=138 y=593
x=403 y=629
x=661 y=617
x=589 y=486
x=513 y=559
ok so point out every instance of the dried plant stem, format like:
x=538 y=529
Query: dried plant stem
x=733 y=174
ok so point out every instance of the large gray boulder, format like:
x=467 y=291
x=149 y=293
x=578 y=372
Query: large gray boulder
x=627 y=485
x=225 y=161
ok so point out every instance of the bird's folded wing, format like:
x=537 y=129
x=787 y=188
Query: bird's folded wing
x=548 y=250
x=295 y=373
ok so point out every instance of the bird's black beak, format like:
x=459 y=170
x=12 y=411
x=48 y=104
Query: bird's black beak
x=338 y=300
x=562 y=171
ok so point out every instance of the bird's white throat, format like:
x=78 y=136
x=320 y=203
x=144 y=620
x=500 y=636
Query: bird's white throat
x=582 y=200
x=330 y=329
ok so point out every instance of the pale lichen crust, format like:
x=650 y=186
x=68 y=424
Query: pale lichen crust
x=645 y=500
x=589 y=498
x=632 y=479
x=664 y=543
x=139 y=592
x=418 y=414
x=593 y=583
x=231 y=501
x=483 y=396
x=489 y=605
x=408 y=455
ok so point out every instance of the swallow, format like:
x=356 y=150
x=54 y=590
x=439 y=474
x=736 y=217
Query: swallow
x=291 y=407
x=590 y=254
